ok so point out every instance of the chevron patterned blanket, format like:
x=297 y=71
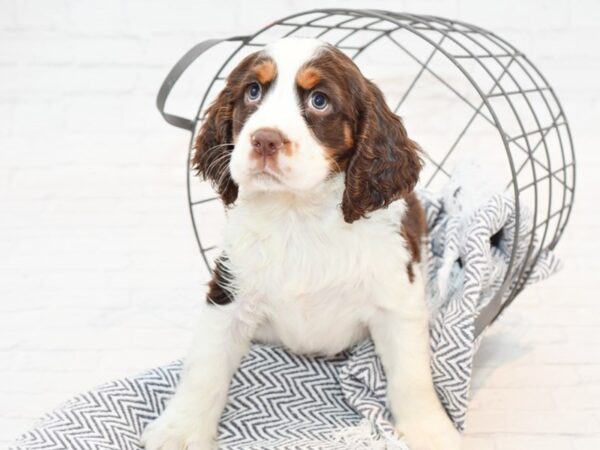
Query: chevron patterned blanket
x=283 y=401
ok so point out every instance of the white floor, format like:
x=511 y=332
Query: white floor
x=99 y=273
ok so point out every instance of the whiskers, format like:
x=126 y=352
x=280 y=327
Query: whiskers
x=217 y=168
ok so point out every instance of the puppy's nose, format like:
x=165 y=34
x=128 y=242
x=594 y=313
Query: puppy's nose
x=267 y=141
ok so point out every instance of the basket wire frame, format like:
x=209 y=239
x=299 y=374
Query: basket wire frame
x=541 y=170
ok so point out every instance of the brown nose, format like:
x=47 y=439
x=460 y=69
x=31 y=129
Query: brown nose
x=266 y=141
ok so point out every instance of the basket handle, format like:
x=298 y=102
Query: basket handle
x=177 y=71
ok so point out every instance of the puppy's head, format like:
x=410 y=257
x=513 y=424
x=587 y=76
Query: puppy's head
x=296 y=113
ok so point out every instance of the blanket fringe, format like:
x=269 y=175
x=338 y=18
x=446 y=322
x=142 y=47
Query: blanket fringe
x=363 y=436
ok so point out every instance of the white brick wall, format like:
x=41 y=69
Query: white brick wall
x=99 y=273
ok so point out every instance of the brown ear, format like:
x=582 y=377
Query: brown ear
x=385 y=163
x=214 y=145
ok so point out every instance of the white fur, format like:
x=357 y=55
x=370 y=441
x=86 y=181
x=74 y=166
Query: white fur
x=306 y=279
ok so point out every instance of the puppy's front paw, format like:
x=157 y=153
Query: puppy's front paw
x=434 y=434
x=170 y=432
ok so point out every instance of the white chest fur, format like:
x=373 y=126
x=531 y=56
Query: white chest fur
x=311 y=279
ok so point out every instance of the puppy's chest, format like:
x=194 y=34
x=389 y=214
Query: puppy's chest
x=314 y=278
x=299 y=259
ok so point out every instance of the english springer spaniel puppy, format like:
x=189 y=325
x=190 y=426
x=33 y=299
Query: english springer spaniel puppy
x=323 y=243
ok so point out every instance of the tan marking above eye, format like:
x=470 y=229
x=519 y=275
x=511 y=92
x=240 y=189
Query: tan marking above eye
x=265 y=72
x=308 y=78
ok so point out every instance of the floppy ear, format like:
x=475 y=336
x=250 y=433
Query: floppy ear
x=385 y=163
x=214 y=145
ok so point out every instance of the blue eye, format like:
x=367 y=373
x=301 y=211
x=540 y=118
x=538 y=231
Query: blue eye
x=319 y=101
x=254 y=91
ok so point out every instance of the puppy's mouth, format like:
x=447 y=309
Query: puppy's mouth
x=265 y=176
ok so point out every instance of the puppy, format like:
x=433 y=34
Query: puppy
x=323 y=245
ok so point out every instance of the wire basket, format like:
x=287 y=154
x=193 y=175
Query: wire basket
x=462 y=92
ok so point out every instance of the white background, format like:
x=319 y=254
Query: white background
x=99 y=272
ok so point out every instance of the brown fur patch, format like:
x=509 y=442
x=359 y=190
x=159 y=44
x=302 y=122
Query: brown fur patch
x=308 y=78
x=218 y=292
x=413 y=229
x=410 y=271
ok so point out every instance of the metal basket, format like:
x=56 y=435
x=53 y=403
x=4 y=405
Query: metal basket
x=459 y=88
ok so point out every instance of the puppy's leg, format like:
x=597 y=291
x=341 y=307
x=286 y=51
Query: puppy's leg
x=191 y=418
x=401 y=336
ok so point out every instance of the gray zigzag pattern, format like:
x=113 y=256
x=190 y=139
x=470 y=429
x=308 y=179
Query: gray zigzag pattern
x=283 y=401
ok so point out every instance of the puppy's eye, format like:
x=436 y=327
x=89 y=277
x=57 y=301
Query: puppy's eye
x=254 y=92
x=319 y=101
